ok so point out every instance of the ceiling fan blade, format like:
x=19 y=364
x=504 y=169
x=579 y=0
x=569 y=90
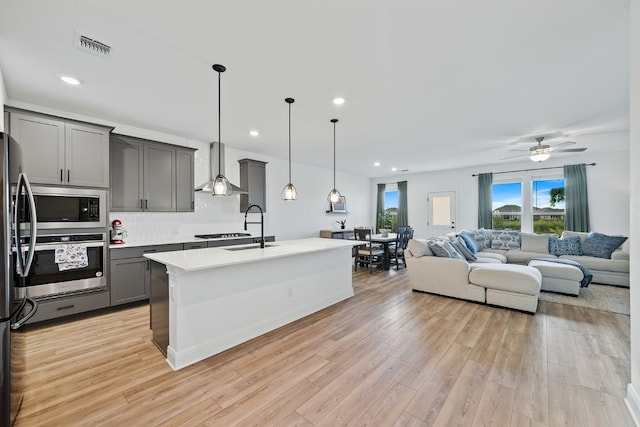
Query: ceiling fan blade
x=562 y=144
x=512 y=157
x=570 y=150
x=520 y=149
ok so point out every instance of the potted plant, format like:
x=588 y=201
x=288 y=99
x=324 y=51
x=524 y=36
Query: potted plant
x=384 y=223
x=342 y=223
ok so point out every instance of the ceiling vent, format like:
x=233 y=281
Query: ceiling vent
x=93 y=46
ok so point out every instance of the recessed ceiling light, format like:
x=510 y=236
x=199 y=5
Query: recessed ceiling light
x=394 y=169
x=70 y=80
x=254 y=133
x=376 y=164
x=338 y=101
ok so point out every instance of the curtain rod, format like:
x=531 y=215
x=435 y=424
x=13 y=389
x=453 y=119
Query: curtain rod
x=534 y=169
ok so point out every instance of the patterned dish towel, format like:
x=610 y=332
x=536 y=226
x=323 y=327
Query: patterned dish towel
x=69 y=257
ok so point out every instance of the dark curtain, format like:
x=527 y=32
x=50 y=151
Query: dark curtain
x=403 y=217
x=576 y=211
x=485 y=214
x=380 y=206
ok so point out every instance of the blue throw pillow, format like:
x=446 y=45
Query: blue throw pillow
x=566 y=246
x=453 y=251
x=439 y=250
x=469 y=241
x=600 y=245
x=461 y=247
x=482 y=238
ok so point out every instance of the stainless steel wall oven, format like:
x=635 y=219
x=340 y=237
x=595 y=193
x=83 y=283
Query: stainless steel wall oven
x=48 y=278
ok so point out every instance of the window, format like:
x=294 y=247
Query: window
x=507 y=205
x=548 y=205
x=390 y=208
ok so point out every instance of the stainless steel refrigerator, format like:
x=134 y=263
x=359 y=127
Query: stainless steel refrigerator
x=17 y=241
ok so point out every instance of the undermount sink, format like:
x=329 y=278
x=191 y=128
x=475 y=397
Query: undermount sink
x=242 y=248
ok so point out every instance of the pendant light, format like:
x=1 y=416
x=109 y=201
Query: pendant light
x=334 y=195
x=221 y=185
x=289 y=191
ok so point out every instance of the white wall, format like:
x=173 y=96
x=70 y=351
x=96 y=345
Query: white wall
x=608 y=183
x=304 y=217
x=3 y=98
x=633 y=400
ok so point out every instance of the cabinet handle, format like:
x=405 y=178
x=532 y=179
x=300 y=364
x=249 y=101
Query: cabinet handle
x=192 y=205
x=146 y=204
x=141 y=205
x=148 y=265
x=61 y=175
x=68 y=175
x=65 y=307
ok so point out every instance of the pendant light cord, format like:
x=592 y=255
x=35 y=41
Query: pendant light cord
x=334 y=154
x=219 y=131
x=289 y=143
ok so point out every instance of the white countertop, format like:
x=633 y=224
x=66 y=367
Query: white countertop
x=170 y=240
x=200 y=259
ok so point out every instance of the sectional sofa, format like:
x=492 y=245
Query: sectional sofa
x=496 y=272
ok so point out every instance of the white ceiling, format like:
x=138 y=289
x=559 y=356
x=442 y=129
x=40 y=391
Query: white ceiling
x=428 y=84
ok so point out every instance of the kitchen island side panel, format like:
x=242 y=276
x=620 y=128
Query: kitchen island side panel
x=213 y=310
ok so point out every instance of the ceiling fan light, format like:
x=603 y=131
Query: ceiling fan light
x=539 y=157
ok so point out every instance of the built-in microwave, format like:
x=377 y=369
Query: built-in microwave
x=60 y=207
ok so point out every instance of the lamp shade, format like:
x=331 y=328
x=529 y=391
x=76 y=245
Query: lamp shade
x=539 y=157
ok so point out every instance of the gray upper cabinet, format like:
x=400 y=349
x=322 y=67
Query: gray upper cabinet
x=61 y=152
x=184 y=180
x=252 y=179
x=150 y=176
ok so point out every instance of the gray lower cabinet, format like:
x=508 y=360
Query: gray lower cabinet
x=129 y=272
x=66 y=306
x=148 y=176
x=59 y=151
x=195 y=245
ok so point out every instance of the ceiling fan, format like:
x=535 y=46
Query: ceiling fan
x=541 y=152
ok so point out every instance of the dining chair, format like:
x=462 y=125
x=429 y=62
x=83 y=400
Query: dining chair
x=396 y=252
x=368 y=254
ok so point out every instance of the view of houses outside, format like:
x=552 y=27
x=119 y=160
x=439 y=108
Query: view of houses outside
x=390 y=217
x=547 y=201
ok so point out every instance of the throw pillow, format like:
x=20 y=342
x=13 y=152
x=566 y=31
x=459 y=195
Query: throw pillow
x=600 y=245
x=439 y=250
x=419 y=248
x=482 y=239
x=580 y=234
x=568 y=246
x=469 y=241
x=505 y=240
x=461 y=247
x=534 y=243
x=453 y=251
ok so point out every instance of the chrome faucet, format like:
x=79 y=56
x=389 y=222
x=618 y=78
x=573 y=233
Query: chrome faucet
x=261 y=223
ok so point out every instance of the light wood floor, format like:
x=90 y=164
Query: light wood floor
x=386 y=357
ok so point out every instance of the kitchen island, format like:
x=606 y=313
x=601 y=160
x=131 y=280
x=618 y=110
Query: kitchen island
x=205 y=301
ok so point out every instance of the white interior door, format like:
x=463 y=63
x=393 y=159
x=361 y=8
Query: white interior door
x=442 y=213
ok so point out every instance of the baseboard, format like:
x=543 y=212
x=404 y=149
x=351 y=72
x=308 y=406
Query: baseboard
x=633 y=404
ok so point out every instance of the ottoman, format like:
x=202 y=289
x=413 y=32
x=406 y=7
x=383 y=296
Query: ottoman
x=508 y=285
x=561 y=278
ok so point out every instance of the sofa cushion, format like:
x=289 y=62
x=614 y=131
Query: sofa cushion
x=419 y=248
x=504 y=239
x=534 y=242
x=439 y=249
x=507 y=277
x=600 y=264
x=565 y=246
x=516 y=256
x=501 y=258
x=469 y=241
x=461 y=247
x=600 y=245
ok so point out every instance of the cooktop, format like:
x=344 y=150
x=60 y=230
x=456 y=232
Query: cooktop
x=221 y=235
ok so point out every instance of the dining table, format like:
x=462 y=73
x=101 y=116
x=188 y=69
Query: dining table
x=385 y=241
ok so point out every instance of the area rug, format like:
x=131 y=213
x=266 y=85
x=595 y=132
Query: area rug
x=597 y=297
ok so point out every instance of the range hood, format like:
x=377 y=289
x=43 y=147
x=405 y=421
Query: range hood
x=207 y=187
